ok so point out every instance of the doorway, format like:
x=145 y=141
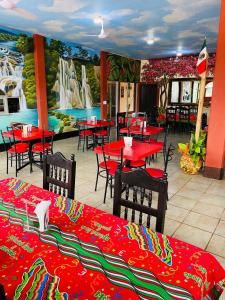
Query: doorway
x=113 y=93
x=148 y=99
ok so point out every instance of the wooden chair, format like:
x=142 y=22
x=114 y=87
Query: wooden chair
x=59 y=174
x=134 y=191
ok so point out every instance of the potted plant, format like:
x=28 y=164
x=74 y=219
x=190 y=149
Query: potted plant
x=193 y=154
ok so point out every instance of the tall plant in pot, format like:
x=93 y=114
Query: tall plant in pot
x=193 y=154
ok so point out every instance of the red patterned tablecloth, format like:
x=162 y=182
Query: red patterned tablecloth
x=89 y=254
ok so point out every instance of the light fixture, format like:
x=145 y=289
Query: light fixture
x=98 y=20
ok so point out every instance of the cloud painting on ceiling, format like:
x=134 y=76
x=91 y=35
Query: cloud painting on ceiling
x=139 y=29
x=73 y=83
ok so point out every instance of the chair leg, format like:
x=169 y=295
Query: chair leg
x=7 y=163
x=111 y=187
x=31 y=161
x=106 y=187
x=78 y=144
x=16 y=163
x=96 y=182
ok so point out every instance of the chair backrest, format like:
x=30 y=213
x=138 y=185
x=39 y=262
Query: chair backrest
x=184 y=114
x=169 y=156
x=47 y=139
x=120 y=122
x=113 y=153
x=171 y=113
x=135 y=191
x=59 y=174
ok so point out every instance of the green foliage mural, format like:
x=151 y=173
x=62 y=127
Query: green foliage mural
x=123 y=69
x=24 y=44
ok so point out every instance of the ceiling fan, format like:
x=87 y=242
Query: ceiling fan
x=102 y=33
x=11 y=5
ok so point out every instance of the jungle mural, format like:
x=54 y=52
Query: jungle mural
x=122 y=69
x=17 y=78
x=73 y=83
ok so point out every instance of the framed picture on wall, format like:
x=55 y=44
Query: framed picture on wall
x=122 y=92
x=186 y=92
x=175 y=92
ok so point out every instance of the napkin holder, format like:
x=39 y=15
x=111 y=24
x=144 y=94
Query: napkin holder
x=29 y=127
x=93 y=119
x=25 y=130
x=41 y=211
x=128 y=141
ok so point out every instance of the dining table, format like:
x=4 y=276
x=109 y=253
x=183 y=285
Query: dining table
x=35 y=134
x=138 y=150
x=96 y=123
x=29 y=137
x=138 y=130
x=86 y=253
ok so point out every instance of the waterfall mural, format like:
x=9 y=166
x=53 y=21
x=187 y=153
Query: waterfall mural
x=17 y=81
x=73 y=87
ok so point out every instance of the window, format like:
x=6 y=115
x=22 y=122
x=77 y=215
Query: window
x=183 y=91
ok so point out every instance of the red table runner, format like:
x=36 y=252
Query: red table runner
x=89 y=254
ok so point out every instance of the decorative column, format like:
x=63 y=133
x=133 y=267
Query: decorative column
x=215 y=155
x=40 y=78
x=103 y=84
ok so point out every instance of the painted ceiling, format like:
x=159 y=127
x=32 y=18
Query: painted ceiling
x=134 y=28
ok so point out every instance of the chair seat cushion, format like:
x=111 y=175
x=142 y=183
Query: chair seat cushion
x=39 y=147
x=86 y=132
x=109 y=164
x=112 y=172
x=102 y=133
x=137 y=163
x=19 y=148
x=157 y=173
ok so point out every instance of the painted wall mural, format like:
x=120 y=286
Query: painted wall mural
x=17 y=78
x=162 y=70
x=122 y=69
x=73 y=83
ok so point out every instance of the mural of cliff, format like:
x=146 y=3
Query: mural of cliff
x=122 y=69
x=162 y=70
x=73 y=86
x=17 y=67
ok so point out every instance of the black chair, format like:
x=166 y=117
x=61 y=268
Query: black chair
x=59 y=174
x=39 y=149
x=134 y=191
x=85 y=135
x=171 y=116
x=184 y=119
x=120 y=123
x=2 y=292
x=17 y=152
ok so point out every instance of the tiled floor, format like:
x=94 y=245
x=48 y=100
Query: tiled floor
x=196 y=209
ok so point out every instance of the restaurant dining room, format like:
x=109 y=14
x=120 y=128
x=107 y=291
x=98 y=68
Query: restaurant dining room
x=112 y=150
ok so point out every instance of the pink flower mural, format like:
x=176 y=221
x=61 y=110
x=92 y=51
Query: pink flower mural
x=162 y=70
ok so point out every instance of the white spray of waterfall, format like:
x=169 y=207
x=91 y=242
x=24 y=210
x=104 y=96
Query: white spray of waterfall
x=67 y=85
x=85 y=89
x=11 y=76
x=71 y=93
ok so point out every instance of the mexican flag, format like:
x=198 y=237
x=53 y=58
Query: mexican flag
x=202 y=59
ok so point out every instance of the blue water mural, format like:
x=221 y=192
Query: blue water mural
x=31 y=116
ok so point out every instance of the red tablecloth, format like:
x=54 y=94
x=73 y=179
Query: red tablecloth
x=137 y=151
x=35 y=134
x=149 y=130
x=97 y=123
x=90 y=254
